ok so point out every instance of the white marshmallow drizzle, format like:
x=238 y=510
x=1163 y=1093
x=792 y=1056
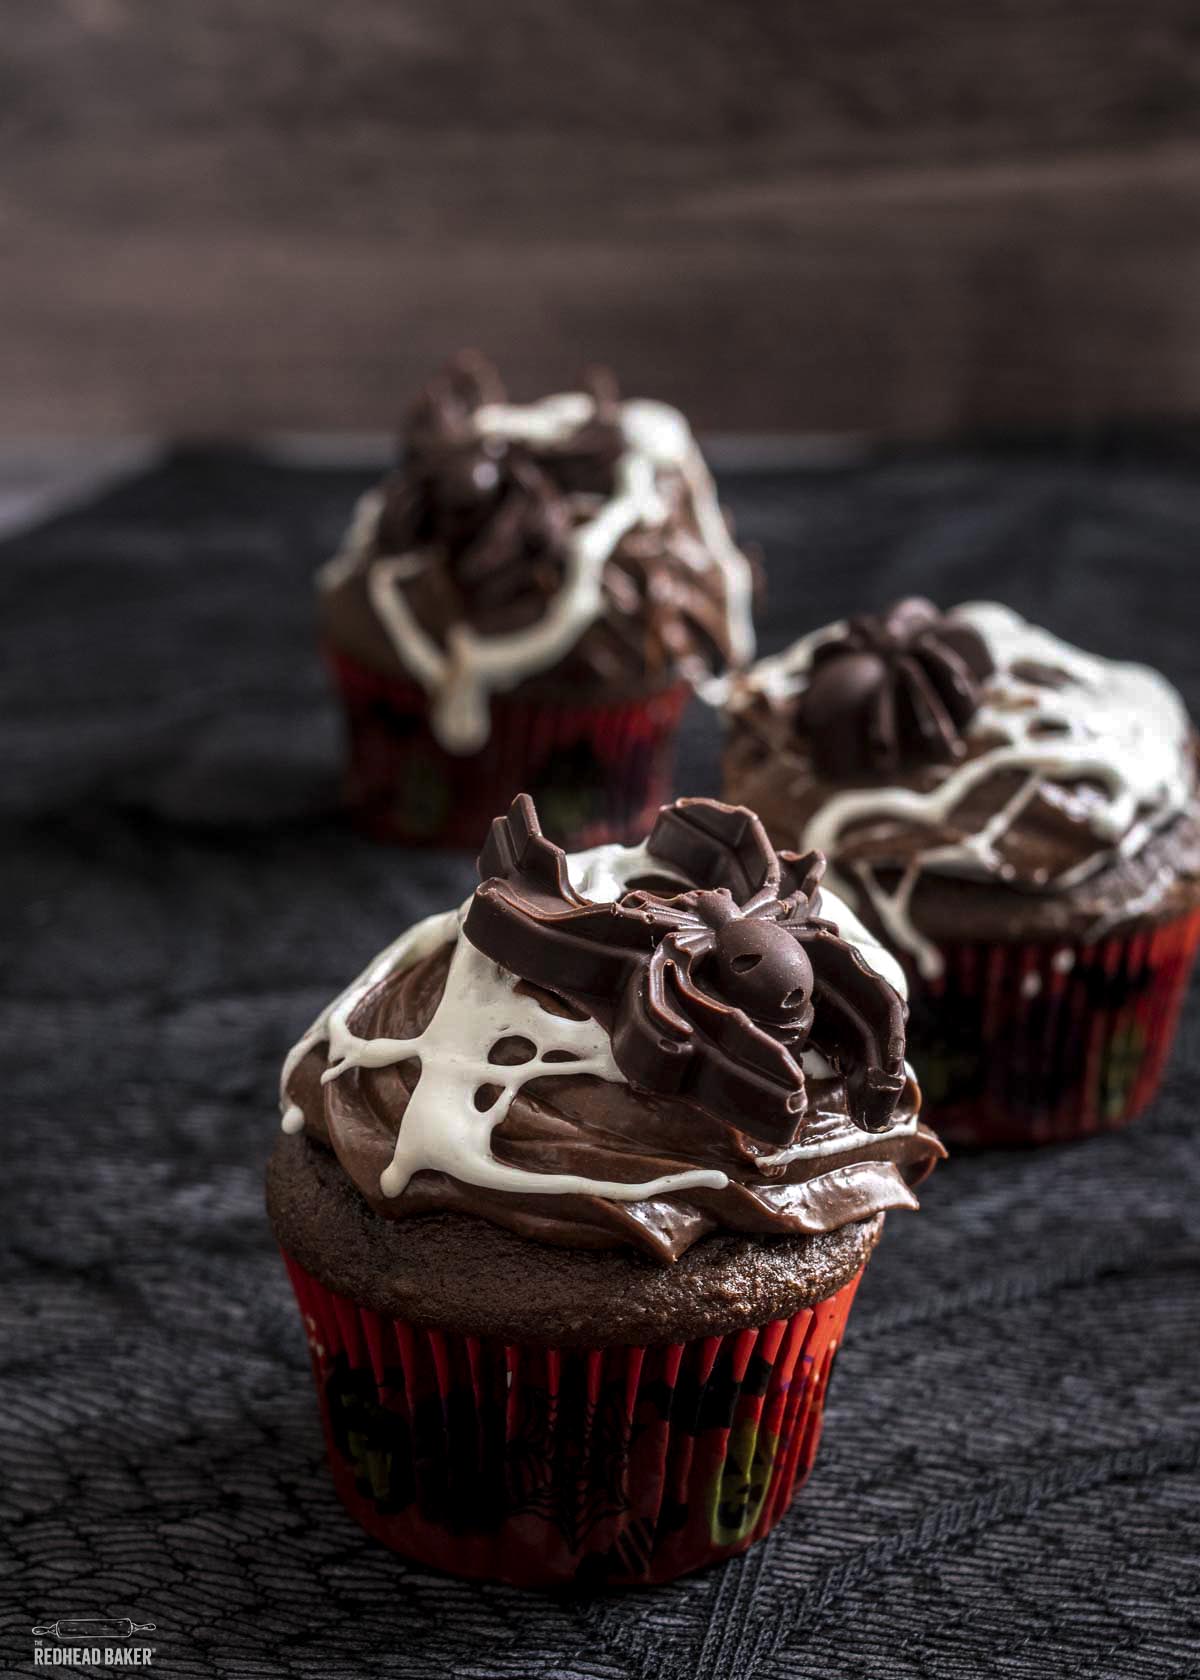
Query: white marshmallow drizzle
x=1119 y=725
x=442 y=1129
x=461 y=677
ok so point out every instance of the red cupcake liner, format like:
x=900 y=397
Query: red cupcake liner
x=597 y=773
x=1039 y=1042
x=542 y=1466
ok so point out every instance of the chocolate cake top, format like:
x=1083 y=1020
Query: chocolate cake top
x=967 y=744
x=572 y=544
x=634 y=1045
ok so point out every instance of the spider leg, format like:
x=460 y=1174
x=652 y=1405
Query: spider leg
x=659 y=912
x=958 y=685
x=663 y=961
x=933 y=720
x=802 y=874
x=715 y=846
x=762 y=900
x=846 y=999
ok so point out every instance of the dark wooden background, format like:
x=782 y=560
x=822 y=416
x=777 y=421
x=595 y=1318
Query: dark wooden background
x=220 y=216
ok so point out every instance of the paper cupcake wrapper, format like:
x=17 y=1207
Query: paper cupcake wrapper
x=1040 y=1043
x=541 y=1466
x=597 y=773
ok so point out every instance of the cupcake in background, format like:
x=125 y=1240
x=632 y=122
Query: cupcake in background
x=576 y=1186
x=527 y=602
x=1018 y=820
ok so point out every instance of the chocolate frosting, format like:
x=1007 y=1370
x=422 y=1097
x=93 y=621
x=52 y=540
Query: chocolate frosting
x=894 y=689
x=583 y=512
x=748 y=1064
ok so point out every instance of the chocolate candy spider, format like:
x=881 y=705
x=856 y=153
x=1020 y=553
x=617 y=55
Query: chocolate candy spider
x=714 y=992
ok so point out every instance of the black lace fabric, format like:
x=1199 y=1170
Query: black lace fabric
x=1010 y=1477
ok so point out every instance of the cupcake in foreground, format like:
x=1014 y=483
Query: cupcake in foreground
x=576 y=1187
x=527 y=602
x=1018 y=820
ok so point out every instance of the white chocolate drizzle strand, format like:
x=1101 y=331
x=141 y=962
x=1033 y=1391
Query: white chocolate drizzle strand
x=1119 y=727
x=461 y=677
x=442 y=1128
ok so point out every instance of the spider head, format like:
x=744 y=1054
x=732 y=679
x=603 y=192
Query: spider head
x=715 y=908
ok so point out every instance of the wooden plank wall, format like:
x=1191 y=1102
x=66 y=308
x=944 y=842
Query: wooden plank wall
x=220 y=216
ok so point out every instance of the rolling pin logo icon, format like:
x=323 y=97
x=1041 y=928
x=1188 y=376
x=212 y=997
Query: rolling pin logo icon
x=75 y=1629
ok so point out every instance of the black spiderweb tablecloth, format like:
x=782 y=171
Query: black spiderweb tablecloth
x=1010 y=1478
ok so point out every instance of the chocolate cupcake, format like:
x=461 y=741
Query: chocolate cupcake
x=576 y=1187
x=527 y=601
x=1018 y=820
